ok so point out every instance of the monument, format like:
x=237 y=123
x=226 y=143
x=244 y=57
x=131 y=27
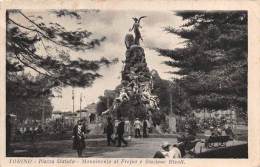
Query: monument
x=135 y=98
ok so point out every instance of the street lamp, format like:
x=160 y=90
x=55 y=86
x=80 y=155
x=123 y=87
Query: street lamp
x=73 y=99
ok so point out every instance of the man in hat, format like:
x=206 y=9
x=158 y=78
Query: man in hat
x=168 y=151
x=137 y=126
x=79 y=132
x=120 y=133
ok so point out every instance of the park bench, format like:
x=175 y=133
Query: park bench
x=233 y=151
x=219 y=140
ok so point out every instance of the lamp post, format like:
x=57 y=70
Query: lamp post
x=73 y=99
x=80 y=105
x=170 y=94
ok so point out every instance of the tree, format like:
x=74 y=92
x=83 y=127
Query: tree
x=38 y=55
x=213 y=63
x=104 y=103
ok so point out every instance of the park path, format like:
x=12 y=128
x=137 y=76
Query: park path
x=137 y=148
x=97 y=148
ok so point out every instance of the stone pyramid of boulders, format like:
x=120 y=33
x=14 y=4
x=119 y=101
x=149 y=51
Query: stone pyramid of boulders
x=136 y=84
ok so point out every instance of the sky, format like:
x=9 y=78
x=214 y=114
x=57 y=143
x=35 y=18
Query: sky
x=114 y=25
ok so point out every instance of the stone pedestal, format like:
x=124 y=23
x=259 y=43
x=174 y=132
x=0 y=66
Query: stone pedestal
x=172 y=123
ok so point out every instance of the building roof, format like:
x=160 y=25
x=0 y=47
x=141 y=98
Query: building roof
x=57 y=112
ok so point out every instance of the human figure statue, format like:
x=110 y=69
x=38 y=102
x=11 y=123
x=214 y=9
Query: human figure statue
x=129 y=40
x=123 y=95
x=136 y=27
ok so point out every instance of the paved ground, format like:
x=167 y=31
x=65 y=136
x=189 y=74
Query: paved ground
x=137 y=148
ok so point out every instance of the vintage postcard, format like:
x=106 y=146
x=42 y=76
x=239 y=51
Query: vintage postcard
x=111 y=83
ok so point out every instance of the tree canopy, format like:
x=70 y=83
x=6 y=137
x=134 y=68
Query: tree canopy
x=39 y=55
x=213 y=63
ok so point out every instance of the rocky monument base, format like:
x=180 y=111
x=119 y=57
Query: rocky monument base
x=135 y=98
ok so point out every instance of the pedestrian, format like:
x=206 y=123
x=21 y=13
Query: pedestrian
x=30 y=134
x=27 y=133
x=116 y=124
x=40 y=129
x=21 y=129
x=137 y=126
x=145 y=126
x=230 y=133
x=120 y=133
x=109 y=132
x=8 y=134
x=127 y=127
x=79 y=132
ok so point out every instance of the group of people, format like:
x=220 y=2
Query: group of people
x=80 y=132
x=115 y=132
x=118 y=135
x=28 y=133
x=39 y=131
x=220 y=131
x=27 y=130
x=138 y=125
